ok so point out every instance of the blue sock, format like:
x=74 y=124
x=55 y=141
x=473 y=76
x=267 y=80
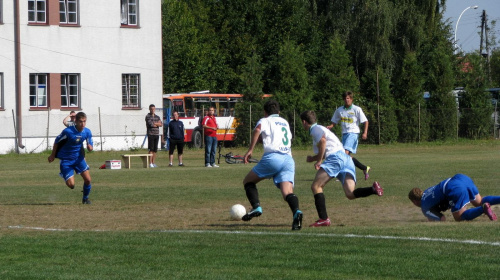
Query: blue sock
x=472 y=213
x=86 y=190
x=492 y=200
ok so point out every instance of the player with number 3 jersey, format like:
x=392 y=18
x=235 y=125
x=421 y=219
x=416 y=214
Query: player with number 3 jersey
x=276 y=163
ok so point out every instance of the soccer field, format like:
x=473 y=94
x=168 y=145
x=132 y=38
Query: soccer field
x=174 y=223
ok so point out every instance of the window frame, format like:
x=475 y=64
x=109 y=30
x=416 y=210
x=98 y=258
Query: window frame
x=36 y=12
x=125 y=14
x=67 y=88
x=66 y=12
x=127 y=86
x=37 y=89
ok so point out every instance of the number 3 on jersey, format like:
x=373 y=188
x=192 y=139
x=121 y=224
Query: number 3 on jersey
x=285 y=136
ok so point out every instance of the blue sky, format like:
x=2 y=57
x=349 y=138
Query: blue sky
x=469 y=26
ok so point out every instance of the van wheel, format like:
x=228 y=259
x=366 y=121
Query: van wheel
x=197 y=140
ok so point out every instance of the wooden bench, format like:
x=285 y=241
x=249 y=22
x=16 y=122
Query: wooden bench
x=146 y=159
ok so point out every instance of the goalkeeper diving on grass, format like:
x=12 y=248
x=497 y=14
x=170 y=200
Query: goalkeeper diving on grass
x=454 y=193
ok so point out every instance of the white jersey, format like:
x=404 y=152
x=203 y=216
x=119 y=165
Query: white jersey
x=349 y=118
x=276 y=135
x=333 y=143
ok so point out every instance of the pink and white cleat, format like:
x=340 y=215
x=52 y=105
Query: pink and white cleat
x=487 y=210
x=377 y=189
x=321 y=223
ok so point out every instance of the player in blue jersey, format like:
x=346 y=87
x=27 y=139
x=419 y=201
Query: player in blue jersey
x=455 y=193
x=68 y=148
x=277 y=162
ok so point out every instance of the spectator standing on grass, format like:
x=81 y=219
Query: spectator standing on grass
x=153 y=124
x=453 y=193
x=350 y=116
x=277 y=163
x=68 y=147
x=210 y=131
x=331 y=161
x=176 y=137
x=69 y=120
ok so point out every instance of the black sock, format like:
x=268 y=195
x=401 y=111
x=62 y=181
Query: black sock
x=293 y=202
x=363 y=192
x=359 y=164
x=252 y=194
x=319 y=201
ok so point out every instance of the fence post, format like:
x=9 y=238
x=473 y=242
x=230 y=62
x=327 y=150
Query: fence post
x=48 y=126
x=250 y=125
x=100 y=129
x=419 y=122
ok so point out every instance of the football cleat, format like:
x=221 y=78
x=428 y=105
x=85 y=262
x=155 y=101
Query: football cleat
x=297 y=220
x=86 y=201
x=254 y=213
x=366 y=172
x=170 y=165
x=377 y=189
x=487 y=210
x=321 y=223
x=181 y=164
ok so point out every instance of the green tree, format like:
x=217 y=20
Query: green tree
x=379 y=107
x=292 y=91
x=475 y=103
x=334 y=76
x=408 y=93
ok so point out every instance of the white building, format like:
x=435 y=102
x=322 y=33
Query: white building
x=100 y=57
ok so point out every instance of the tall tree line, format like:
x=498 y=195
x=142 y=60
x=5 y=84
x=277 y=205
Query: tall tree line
x=307 y=52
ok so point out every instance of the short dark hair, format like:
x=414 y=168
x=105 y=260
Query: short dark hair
x=272 y=107
x=81 y=115
x=152 y=105
x=309 y=116
x=347 y=93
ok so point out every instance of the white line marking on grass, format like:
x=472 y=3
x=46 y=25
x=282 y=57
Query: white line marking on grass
x=369 y=236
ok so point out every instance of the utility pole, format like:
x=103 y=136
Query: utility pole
x=484 y=34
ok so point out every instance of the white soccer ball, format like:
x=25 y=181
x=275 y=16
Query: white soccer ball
x=237 y=211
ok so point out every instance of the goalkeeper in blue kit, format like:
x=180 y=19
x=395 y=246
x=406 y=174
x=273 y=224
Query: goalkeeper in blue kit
x=68 y=147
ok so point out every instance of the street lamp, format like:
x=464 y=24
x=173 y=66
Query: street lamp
x=456 y=26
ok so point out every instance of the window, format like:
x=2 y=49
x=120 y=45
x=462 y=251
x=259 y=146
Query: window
x=37 y=10
x=68 y=11
x=1 y=88
x=70 y=90
x=130 y=12
x=38 y=90
x=131 y=91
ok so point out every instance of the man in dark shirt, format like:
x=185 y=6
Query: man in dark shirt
x=153 y=123
x=176 y=136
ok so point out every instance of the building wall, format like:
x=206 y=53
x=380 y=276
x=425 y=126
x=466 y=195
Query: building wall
x=100 y=50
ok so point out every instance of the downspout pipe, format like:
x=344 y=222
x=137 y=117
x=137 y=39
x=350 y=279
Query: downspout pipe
x=17 y=52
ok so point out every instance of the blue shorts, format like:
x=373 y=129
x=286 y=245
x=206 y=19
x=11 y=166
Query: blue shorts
x=350 y=142
x=67 y=167
x=459 y=191
x=280 y=167
x=339 y=165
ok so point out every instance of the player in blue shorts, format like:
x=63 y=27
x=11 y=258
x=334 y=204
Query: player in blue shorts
x=453 y=193
x=276 y=163
x=350 y=116
x=331 y=161
x=68 y=147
